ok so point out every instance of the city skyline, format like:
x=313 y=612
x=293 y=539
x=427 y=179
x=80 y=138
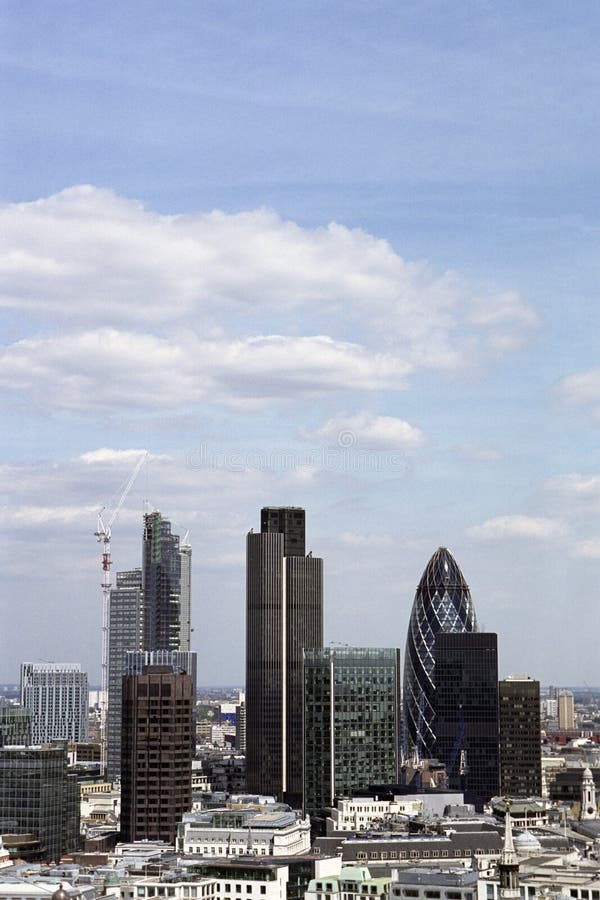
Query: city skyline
x=341 y=262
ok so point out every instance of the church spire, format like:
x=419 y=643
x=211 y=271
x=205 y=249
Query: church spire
x=508 y=864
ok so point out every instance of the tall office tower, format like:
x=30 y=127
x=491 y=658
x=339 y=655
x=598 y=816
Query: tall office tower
x=520 y=739
x=284 y=614
x=156 y=768
x=442 y=604
x=566 y=710
x=37 y=796
x=58 y=697
x=124 y=633
x=466 y=712
x=15 y=726
x=351 y=722
x=166 y=584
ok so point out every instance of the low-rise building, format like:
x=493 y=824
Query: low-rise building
x=244 y=832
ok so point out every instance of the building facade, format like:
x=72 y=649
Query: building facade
x=38 y=797
x=15 y=726
x=284 y=614
x=442 y=604
x=466 y=712
x=351 y=721
x=520 y=739
x=124 y=633
x=57 y=696
x=156 y=766
x=166 y=585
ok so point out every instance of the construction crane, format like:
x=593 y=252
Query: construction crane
x=102 y=535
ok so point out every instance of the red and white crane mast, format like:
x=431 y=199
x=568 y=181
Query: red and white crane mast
x=103 y=535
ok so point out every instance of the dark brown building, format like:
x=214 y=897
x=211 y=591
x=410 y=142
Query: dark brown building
x=520 y=742
x=156 y=763
x=284 y=615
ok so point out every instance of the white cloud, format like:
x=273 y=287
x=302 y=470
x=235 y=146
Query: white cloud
x=355 y=539
x=582 y=389
x=88 y=256
x=369 y=432
x=109 y=369
x=575 y=486
x=588 y=549
x=517 y=526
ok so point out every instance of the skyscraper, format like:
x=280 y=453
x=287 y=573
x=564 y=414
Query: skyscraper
x=466 y=712
x=38 y=796
x=351 y=721
x=284 y=614
x=166 y=584
x=124 y=633
x=150 y=609
x=442 y=604
x=566 y=710
x=57 y=696
x=156 y=769
x=520 y=739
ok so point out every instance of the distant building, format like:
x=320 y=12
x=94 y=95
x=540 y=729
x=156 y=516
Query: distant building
x=156 y=768
x=442 y=603
x=15 y=726
x=466 y=707
x=284 y=615
x=520 y=740
x=57 y=696
x=566 y=710
x=351 y=721
x=38 y=797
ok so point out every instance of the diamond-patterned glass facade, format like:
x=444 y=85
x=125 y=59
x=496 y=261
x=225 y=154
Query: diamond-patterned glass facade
x=442 y=603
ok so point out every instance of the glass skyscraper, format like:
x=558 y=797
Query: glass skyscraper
x=351 y=721
x=442 y=603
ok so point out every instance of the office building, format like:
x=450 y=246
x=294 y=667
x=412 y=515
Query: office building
x=351 y=721
x=520 y=740
x=15 y=726
x=57 y=696
x=466 y=712
x=442 y=604
x=38 y=797
x=566 y=710
x=284 y=614
x=156 y=766
x=166 y=584
x=124 y=633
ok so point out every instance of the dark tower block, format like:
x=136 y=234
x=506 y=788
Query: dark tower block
x=466 y=712
x=156 y=765
x=520 y=740
x=284 y=606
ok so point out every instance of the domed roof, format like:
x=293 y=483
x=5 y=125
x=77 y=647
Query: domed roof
x=60 y=894
x=526 y=842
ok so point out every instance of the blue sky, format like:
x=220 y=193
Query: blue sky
x=342 y=256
